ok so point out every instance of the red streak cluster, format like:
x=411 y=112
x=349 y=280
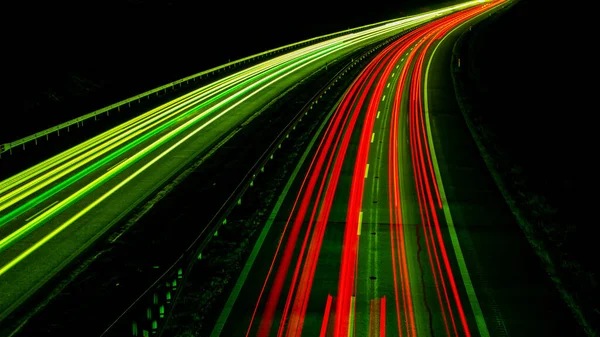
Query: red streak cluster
x=312 y=207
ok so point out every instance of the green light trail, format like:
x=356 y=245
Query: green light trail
x=44 y=196
x=24 y=230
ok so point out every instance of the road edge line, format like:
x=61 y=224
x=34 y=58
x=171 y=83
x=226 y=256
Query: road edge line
x=462 y=266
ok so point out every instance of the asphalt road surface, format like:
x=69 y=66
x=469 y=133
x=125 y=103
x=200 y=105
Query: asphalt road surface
x=391 y=225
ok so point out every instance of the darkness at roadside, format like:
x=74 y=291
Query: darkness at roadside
x=534 y=124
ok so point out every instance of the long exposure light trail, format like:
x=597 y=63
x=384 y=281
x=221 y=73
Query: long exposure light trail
x=108 y=175
x=156 y=122
x=427 y=296
x=84 y=189
x=135 y=129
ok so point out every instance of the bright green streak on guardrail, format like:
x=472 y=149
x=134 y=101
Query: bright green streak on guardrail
x=32 y=203
x=9 y=217
x=185 y=79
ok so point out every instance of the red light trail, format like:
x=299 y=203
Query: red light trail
x=301 y=242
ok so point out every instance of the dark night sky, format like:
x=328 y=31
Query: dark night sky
x=95 y=34
x=138 y=45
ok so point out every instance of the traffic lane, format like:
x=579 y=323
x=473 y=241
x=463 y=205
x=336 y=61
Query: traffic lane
x=328 y=266
x=23 y=218
x=431 y=292
x=86 y=179
x=326 y=274
x=195 y=93
x=241 y=314
x=375 y=242
x=344 y=48
x=70 y=241
x=241 y=113
x=56 y=252
x=422 y=286
x=460 y=276
x=281 y=84
x=375 y=276
x=166 y=217
x=515 y=293
x=211 y=106
x=203 y=140
x=49 y=258
x=314 y=314
x=79 y=155
x=280 y=57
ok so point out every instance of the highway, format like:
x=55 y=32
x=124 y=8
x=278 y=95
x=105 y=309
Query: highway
x=53 y=211
x=392 y=226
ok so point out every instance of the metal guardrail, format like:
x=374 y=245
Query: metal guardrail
x=21 y=142
x=154 y=304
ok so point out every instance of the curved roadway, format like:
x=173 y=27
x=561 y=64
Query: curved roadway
x=382 y=233
x=54 y=210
